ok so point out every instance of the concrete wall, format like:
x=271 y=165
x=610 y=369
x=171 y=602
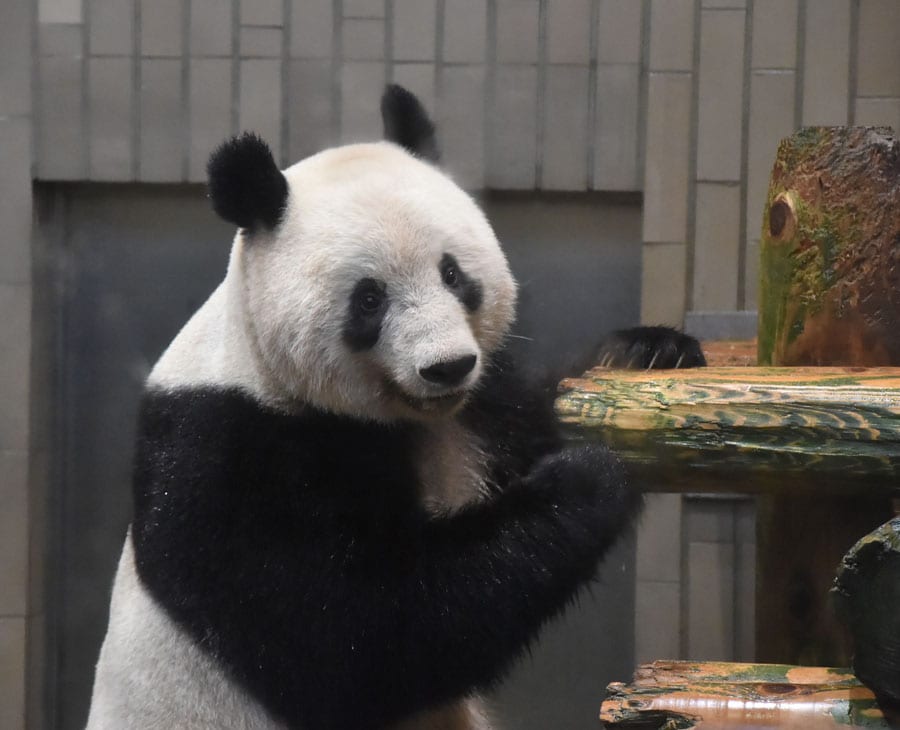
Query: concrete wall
x=23 y=397
x=683 y=99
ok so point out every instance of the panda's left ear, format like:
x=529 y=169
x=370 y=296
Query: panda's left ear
x=245 y=184
x=406 y=123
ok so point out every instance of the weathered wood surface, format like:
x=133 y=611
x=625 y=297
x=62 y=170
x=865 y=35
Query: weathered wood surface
x=747 y=429
x=867 y=598
x=830 y=250
x=730 y=353
x=668 y=695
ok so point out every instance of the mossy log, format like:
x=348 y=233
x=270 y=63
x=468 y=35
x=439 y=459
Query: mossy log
x=830 y=250
x=667 y=695
x=743 y=429
x=867 y=597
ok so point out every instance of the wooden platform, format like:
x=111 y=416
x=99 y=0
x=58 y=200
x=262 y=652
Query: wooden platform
x=670 y=695
x=770 y=429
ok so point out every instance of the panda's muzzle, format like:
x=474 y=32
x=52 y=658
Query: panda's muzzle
x=449 y=373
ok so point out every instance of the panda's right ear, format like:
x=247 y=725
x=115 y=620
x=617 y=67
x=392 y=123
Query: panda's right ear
x=245 y=185
x=407 y=124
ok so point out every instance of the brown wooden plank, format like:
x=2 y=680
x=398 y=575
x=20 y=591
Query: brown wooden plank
x=743 y=429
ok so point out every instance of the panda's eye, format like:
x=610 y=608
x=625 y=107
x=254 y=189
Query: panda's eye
x=450 y=275
x=370 y=302
x=368 y=298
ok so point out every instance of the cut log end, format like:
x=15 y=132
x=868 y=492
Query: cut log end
x=867 y=598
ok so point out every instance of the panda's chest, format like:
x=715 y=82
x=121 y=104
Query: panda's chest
x=451 y=466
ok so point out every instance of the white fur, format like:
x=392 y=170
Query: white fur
x=274 y=328
x=151 y=675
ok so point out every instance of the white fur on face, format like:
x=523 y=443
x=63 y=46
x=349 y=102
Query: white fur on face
x=371 y=211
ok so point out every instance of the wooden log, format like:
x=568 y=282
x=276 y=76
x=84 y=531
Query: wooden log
x=743 y=429
x=830 y=250
x=867 y=598
x=680 y=695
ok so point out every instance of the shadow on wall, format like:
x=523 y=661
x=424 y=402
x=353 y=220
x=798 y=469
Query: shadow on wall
x=136 y=261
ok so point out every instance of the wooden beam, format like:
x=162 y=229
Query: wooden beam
x=683 y=695
x=743 y=429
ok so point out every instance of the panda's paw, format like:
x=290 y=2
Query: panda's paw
x=643 y=348
x=591 y=477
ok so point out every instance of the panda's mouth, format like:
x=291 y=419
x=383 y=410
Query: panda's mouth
x=441 y=403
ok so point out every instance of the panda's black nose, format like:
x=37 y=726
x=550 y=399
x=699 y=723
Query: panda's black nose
x=449 y=372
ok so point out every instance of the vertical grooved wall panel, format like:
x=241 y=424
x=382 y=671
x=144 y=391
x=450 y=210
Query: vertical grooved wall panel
x=360 y=111
x=312 y=25
x=162 y=120
x=462 y=133
x=111 y=27
x=617 y=132
x=60 y=144
x=716 y=245
x=110 y=99
x=310 y=116
x=260 y=105
x=160 y=27
x=465 y=28
x=565 y=128
x=879 y=51
x=210 y=110
x=210 y=27
x=667 y=170
x=512 y=146
x=568 y=31
x=721 y=94
x=413 y=30
x=826 y=62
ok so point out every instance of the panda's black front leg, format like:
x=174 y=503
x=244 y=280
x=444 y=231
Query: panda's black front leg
x=487 y=578
x=645 y=348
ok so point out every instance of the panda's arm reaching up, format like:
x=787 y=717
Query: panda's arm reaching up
x=295 y=552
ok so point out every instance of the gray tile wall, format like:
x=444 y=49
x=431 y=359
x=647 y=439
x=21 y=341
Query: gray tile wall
x=665 y=96
x=695 y=579
x=21 y=484
x=568 y=120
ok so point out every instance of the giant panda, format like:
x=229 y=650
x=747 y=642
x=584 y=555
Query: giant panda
x=350 y=508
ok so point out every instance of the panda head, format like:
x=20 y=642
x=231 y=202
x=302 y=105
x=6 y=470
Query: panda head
x=369 y=284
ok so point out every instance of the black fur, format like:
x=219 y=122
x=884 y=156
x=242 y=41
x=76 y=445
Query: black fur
x=407 y=124
x=465 y=288
x=294 y=550
x=362 y=328
x=245 y=184
x=650 y=347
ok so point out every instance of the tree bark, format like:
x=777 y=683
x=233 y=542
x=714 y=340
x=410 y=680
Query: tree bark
x=830 y=250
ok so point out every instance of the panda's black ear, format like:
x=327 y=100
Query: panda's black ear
x=245 y=184
x=407 y=124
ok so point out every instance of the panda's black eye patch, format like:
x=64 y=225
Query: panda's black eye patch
x=368 y=304
x=466 y=289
